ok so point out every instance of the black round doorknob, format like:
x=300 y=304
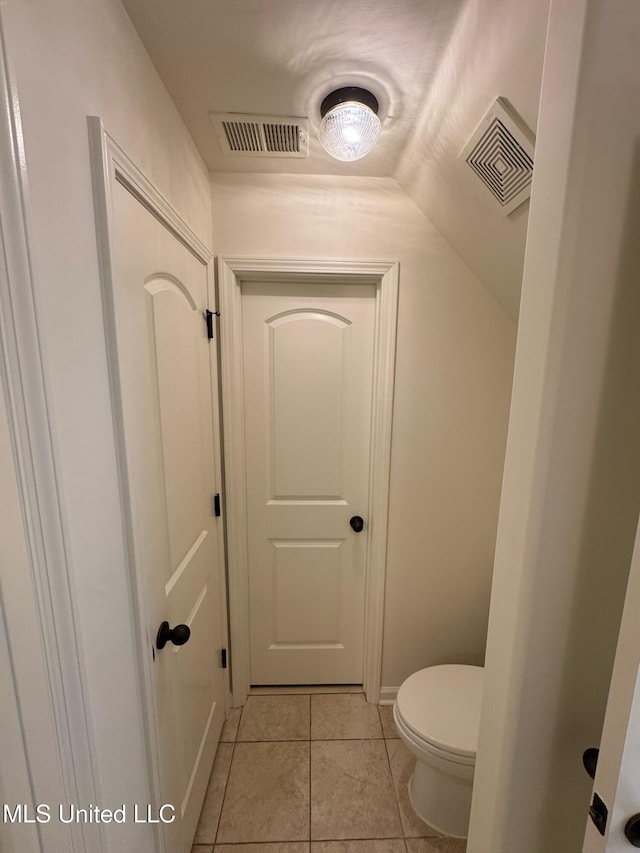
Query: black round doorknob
x=632 y=830
x=357 y=523
x=590 y=760
x=178 y=635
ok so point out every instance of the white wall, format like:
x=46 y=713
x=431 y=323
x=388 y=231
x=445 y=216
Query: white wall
x=572 y=473
x=453 y=382
x=74 y=58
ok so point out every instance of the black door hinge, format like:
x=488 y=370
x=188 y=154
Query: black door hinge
x=223 y=658
x=208 y=316
x=216 y=505
x=599 y=813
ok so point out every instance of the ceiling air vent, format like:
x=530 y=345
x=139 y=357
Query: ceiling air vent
x=500 y=152
x=243 y=135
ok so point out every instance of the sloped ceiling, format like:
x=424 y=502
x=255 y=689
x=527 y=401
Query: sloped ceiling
x=435 y=66
x=496 y=48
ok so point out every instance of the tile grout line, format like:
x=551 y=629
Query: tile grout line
x=315 y=739
x=316 y=841
x=226 y=783
x=310 y=795
x=393 y=781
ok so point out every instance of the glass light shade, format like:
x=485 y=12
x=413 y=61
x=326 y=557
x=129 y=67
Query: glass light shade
x=349 y=131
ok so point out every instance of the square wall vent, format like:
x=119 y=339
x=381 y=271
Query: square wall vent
x=500 y=152
x=244 y=135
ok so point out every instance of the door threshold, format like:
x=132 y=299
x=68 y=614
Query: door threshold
x=282 y=689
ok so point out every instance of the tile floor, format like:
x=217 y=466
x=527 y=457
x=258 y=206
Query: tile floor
x=304 y=770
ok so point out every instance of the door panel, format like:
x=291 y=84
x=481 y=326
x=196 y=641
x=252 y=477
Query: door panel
x=306 y=571
x=175 y=375
x=160 y=293
x=306 y=406
x=308 y=371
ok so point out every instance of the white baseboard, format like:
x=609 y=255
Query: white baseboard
x=388 y=695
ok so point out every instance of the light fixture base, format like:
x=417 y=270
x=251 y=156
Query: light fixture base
x=349 y=93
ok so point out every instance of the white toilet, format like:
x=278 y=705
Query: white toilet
x=437 y=714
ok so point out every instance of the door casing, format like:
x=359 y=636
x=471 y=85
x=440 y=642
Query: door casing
x=45 y=703
x=232 y=273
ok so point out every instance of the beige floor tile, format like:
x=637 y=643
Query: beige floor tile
x=275 y=718
x=268 y=690
x=270 y=847
x=210 y=814
x=230 y=728
x=386 y=718
x=202 y=848
x=351 y=791
x=267 y=796
x=344 y=717
x=402 y=763
x=386 y=845
x=436 y=845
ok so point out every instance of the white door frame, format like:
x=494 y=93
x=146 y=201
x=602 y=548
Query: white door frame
x=109 y=163
x=232 y=272
x=616 y=775
x=42 y=592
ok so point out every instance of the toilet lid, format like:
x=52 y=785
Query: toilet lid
x=441 y=705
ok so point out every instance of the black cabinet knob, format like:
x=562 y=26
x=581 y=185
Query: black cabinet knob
x=357 y=523
x=632 y=830
x=178 y=635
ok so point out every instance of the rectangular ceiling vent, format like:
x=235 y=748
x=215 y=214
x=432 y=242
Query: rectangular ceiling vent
x=243 y=135
x=500 y=152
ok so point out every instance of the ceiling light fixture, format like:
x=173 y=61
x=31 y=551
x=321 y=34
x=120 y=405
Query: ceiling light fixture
x=350 y=126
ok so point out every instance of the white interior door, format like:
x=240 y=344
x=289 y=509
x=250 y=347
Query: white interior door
x=308 y=369
x=617 y=781
x=160 y=293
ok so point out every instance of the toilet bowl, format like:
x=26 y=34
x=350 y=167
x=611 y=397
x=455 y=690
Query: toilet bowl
x=437 y=714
